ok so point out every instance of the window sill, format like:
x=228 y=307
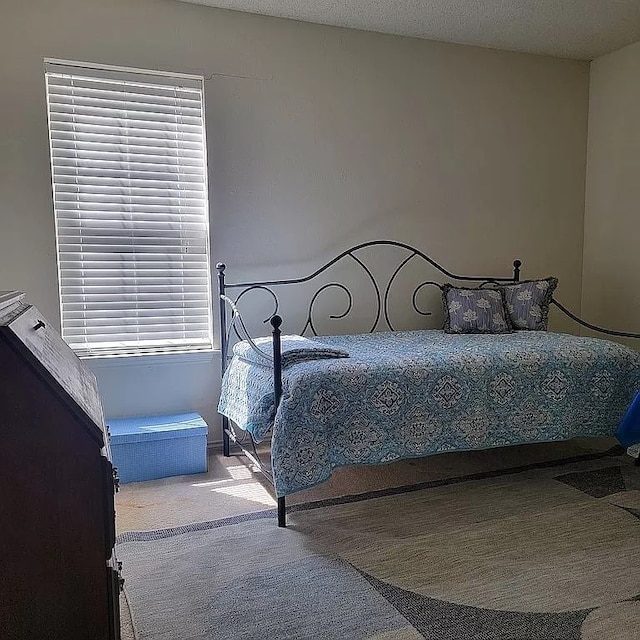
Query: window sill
x=147 y=360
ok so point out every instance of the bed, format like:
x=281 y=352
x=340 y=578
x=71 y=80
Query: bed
x=387 y=394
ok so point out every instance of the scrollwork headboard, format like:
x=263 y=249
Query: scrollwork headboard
x=234 y=292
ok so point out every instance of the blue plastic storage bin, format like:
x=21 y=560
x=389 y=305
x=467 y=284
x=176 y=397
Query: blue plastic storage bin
x=158 y=446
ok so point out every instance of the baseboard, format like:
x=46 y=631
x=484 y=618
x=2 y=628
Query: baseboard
x=214 y=446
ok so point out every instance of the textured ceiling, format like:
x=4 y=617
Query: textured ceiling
x=582 y=29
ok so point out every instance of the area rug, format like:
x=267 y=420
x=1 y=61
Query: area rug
x=546 y=552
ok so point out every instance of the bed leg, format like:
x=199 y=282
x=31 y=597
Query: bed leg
x=282 y=512
x=225 y=437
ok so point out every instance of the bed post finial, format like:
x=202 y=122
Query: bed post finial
x=516 y=269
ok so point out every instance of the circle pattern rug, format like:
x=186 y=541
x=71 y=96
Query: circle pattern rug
x=548 y=552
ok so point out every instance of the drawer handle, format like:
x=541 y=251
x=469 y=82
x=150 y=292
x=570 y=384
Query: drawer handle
x=38 y=325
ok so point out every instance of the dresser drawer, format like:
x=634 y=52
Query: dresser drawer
x=32 y=331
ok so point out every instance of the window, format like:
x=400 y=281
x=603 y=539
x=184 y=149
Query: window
x=128 y=162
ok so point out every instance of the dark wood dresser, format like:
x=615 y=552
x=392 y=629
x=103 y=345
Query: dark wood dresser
x=59 y=576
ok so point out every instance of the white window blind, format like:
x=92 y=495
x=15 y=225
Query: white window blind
x=130 y=197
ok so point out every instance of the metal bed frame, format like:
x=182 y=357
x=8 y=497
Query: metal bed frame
x=235 y=324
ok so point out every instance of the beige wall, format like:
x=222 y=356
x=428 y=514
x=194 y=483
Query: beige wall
x=318 y=138
x=611 y=295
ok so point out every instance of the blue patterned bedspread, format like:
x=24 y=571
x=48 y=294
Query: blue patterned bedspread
x=416 y=393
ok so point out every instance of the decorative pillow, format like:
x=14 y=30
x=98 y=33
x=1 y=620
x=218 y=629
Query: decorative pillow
x=528 y=303
x=474 y=310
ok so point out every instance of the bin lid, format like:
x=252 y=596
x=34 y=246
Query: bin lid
x=183 y=425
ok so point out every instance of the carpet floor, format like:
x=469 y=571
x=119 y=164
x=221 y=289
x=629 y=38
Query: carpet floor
x=545 y=550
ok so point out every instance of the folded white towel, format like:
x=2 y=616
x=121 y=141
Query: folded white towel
x=294 y=349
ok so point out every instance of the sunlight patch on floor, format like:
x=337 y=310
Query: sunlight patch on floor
x=237 y=473
x=239 y=485
x=252 y=491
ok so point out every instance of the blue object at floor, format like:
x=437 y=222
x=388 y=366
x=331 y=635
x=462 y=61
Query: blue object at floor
x=628 y=431
x=158 y=446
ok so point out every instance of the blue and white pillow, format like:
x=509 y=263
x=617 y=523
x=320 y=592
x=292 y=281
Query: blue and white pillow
x=528 y=303
x=475 y=310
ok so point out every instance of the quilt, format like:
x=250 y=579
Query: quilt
x=417 y=393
